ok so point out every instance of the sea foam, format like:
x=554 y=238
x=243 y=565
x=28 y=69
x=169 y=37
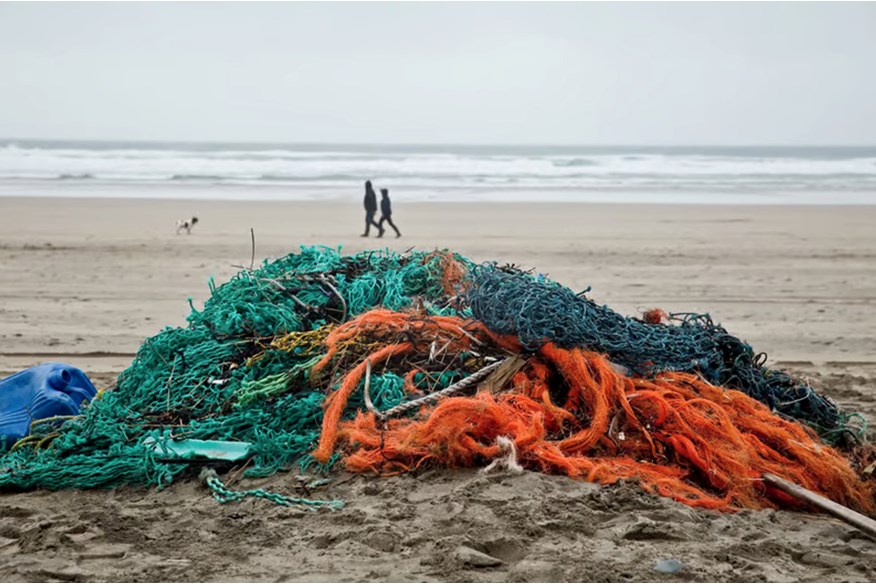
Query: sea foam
x=29 y=165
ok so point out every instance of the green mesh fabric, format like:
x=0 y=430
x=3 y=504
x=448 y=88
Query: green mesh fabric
x=200 y=381
x=240 y=369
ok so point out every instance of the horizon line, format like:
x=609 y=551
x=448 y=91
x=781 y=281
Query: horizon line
x=445 y=144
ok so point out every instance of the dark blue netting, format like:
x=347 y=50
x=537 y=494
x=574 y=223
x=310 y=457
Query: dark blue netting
x=538 y=311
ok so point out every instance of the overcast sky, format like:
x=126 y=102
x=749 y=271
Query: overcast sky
x=519 y=73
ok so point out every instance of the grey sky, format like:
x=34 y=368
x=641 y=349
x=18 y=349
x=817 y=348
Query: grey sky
x=620 y=73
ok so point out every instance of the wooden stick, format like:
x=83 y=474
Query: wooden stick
x=340 y=296
x=853 y=518
x=252 y=257
x=501 y=375
x=368 y=403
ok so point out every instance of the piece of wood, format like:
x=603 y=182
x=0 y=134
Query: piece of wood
x=853 y=518
x=367 y=391
x=502 y=374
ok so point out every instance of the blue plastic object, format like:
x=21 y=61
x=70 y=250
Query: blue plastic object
x=44 y=391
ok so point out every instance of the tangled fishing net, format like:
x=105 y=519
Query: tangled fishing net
x=383 y=362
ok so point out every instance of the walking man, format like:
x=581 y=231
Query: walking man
x=370 y=210
x=386 y=213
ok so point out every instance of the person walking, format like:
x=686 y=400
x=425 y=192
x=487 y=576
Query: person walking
x=370 y=210
x=386 y=213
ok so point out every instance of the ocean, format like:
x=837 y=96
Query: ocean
x=631 y=174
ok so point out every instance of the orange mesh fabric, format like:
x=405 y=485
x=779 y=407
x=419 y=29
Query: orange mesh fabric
x=570 y=412
x=453 y=272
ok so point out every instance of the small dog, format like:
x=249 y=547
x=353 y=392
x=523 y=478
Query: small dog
x=186 y=224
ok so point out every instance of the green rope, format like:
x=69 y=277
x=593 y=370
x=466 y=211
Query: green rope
x=225 y=495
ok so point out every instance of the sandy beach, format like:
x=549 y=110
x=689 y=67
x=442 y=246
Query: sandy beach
x=98 y=276
x=85 y=281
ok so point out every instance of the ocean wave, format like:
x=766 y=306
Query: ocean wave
x=196 y=177
x=433 y=167
x=83 y=176
x=575 y=162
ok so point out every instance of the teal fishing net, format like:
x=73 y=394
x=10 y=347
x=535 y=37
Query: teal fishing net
x=220 y=378
x=241 y=368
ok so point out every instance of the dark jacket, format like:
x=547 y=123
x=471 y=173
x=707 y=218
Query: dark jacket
x=385 y=207
x=370 y=201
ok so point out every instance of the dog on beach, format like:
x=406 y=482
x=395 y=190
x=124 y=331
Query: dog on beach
x=186 y=224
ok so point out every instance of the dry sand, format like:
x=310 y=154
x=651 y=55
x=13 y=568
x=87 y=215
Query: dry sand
x=85 y=281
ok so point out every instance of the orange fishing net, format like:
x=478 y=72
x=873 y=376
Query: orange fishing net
x=571 y=412
x=453 y=271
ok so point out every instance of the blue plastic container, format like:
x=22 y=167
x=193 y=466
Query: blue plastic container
x=44 y=391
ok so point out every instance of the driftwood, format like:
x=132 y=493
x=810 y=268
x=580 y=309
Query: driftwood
x=500 y=376
x=853 y=518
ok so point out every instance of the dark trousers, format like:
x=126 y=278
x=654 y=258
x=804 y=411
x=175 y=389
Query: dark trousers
x=369 y=221
x=388 y=219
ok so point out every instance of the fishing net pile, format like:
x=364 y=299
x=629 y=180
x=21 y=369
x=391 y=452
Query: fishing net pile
x=383 y=362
